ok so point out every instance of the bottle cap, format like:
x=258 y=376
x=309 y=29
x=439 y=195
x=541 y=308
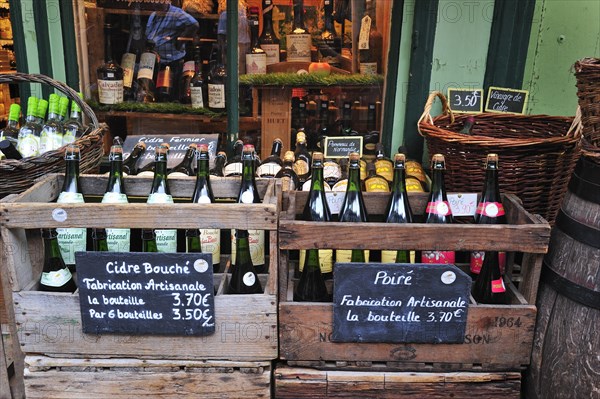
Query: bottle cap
x=118 y=140
x=222 y=153
x=278 y=140
x=194 y=146
x=201 y=147
x=42 y=107
x=317 y=156
x=248 y=148
x=438 y=162
x=300 y=135
x=492 y=157
x=72 y=152
x=162 y=149
x=74 y=105
x=289 y=156
x=354 y=156
x=14 y=112
x=400 y=158
x=141 y=144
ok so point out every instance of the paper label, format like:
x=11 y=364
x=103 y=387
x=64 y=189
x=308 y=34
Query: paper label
x=363 y=35
x=56 y=278
x=189 y=66
x=272 y=51
x=463 y=204
x=197 y=97
x=118 y=240
x=377 y=185
x=298 y=47
x=256 y=64
x=491 y=209
x=331 y=170
x=166 y=240
x=345 y=255
x=477 y=258
x=413 y=185
x=437 y=257
x=385 y=169
x=367 y=68
x=110 y=91
x=216 y=96
x=233 y=169
x=210 y=242
x=50 y=140
x=441 y=208
x=325 y=260
x=340 y=186
x=256 y=238
x=74 y=239
x=498 y=286
x=128 y=65
x=146 y=67
x=268 y=169
x=249 y=279
x=29 y=146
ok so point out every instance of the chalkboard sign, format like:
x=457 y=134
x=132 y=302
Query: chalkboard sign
x=146 y=293
x=506 y=100
x=465 y=100
x=341 y=147
x=374 y=302
x=179 y=145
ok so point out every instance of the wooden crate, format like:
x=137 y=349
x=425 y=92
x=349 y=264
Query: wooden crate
x=301 y=382
x=50 y=323
x=47 y=377
x=497 y=337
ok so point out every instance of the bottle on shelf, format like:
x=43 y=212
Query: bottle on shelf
x=109 y=74
x=29 y=133
x=268 y=41
x=248 y=194
x=220 y=161
x=329 y=43
x=256 y=57
x=148 y=169
x=438 y=210
x=370 y=43
x=216 y=80
x=10 y=132
x=398 y=210
x=234 y=167
x=191 y=82
x=371 y=136
x=118 y=240
x=51 y=136
x=489 y=211
x=8 y=150
x=414 y=171
x=130 y=163
x=271 y=165
x=317 y=210
x=131 y=56
x=166 y=239
x=323 y=129
x=40 y=113
x=210 y=239
x=56 y=276
x=375 y=183
x=289 y=178
x=342 y=183
x=149 y=241
x=73 y=127
x=302 y=158
x=186 y=166
x=298 y=122
x=489 y=286
x=332 y=173
x=192 y=241
x=383 y=165
x=353 y=209
x=347 y=129
x=71 y=240
x=99 y=242
x=145 y=83
x=244 y=279
x=311 y=285
x=164 y=83
x=298 y=41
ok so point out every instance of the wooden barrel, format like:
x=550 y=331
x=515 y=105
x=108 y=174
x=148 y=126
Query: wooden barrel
x=565 y=362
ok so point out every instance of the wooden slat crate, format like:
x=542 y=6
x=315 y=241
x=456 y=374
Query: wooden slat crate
x=295 y=382
x=497 y=337
x=50 y=323
x=47 y=378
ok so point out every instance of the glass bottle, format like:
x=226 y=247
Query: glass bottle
x=164 y=83
x=11 y=130
x=489 y=211
x=192 y=241
x=244 y=279
x=148 y=169
x=40 y=114
x=347 y=120
x=118 y=240
x=186 y=166
x=371 y=136
x=302 y=158
x=269 y=42
x=489 y=286
x=51 y=136
x=272 y=164
x=71 y=240
x=63 y=109
x=375 y=183
x=353 y=209
x=149 y=241
x=216 y=80
x=256 y=58
x=210 y=239
x=323 y=125
x=329 y=43
x=383 y=165
x=166 y=239
x=289 y=178
x=99 y=242
x=109 y=74
x=56 y=276
x=317 y=210
x=298 y=41
x=130 y=163
x=398 y=210
x=131 y=57
x=220 y=161
x=73 y=127
x=145 y=83
x=233 y=167
x=311 y=286
x=29 y=139
x=331 y=172
x=438 y=209
x=370 y=43
x=198 y=87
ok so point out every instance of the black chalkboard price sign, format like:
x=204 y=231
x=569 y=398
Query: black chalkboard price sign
x=146 y=293
x=415 y=303
x=465 y=100
x=506 y=100
x=341 y=147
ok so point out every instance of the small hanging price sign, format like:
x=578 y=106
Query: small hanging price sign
x=504 y=100
x=466 y=100
x=341 y=147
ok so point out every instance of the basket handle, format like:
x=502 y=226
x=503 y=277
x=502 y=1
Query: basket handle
x=577 y=126
x=427 y=110
x=38 y=78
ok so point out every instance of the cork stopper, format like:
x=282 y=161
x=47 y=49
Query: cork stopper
x=317 y=156
x=72 y=152
x=492 y=157
x=400 y=158
x=141 y=144
x=166 y=146
x=289 y=156
x=248 y=148
x=438 y=162
x=193 y=146
x=162 y=149
x=300 y=136
x=223 y=153
x=354 y=156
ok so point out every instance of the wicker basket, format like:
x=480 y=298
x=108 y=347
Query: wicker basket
x=587 y=72
x=537 y=153
x=18 y=175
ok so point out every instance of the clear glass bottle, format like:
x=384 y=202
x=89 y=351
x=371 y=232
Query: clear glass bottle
x=51 y=136
x=73 y=127
x=29 y=138
x=11 y=130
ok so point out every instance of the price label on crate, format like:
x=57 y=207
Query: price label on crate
x=417 y=303
x=465 y=100
x=146 y=293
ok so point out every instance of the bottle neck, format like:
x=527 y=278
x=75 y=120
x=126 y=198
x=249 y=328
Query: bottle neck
x=75 y=115
x=399 y=182
x=115 y=179
x=248 y=169
x=254 y=33
x=242 y=247
x=202 y=169
x=268 y=18
x=108 y=57
x=328 y=17
x=354 y=176
x=298 y=15
x=371 y=123
x=71 y=184
x=491 y=188
x=276 y=149
x=13 y=123
x=159 y=184
x=317 y=177
x=437 y=183
x=51 y=248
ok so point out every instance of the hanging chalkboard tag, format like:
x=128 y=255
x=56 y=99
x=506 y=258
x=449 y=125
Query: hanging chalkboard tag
x=144 y=293
x=506 y=100
x=466 y=100
x=341 y=147
x=418 y=303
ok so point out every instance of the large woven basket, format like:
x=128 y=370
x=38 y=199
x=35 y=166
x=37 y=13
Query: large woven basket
x=18 y=175
x=587 y=73
x=537 y=153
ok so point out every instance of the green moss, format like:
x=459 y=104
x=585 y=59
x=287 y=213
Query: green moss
x=310 y=79
x=163 y=108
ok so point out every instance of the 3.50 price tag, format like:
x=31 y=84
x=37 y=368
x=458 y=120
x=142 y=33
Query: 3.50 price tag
x=465 y=100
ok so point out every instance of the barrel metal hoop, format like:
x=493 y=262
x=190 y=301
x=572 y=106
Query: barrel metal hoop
x=569 y=289
x=583 y=233
x=584 y=189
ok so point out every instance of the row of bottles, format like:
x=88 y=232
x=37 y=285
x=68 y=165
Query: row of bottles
x=39 y=134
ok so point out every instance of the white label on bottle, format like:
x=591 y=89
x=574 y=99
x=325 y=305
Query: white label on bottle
x=256 y=238
x=74 y=239
x=298 y=47
x=210 y=242
x=197 y=97
x=247 y=197
x=334 y=201
x=159 y=198
x=128 y=65
x=178 y=174
x=325 y=260
x=216 y=96
x=368 y=68
x=272 y=51
x=56 y=278
x=110 y=91
x=363 y=35
x=146 y=67
x=50 y=139
x=166 y=240
x=268 y=169
x=249 y=279
x=29 y=146
x=118 y=240
x=307 y=184
x=189 y=66
x=233 y=169
x=256 y=64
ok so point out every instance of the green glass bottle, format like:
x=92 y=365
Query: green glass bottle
x=56 y=276
x=192 y=241
x=52 y=131
x=243 y=277
x=99 y=243
x=186 y=166
x=149 y=241
x=311 y=286
x=118 y=239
